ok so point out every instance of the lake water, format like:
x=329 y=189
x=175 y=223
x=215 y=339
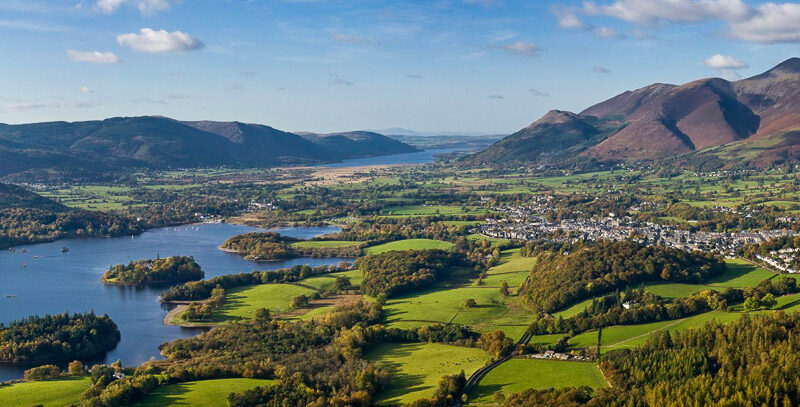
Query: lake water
x=56 y=282
x=421 y=157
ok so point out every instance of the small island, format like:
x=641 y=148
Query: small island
x=273 y=246
x=168 y=270
x=53 y=338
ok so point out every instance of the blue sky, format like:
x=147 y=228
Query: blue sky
x=490 y=66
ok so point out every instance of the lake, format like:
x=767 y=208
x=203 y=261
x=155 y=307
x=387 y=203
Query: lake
x=56 y=282
x=420 y=157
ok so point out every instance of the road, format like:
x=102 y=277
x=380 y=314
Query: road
x=479 y=374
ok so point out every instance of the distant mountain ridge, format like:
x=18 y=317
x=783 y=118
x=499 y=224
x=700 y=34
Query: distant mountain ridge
x=664 y=121
x=161 y=143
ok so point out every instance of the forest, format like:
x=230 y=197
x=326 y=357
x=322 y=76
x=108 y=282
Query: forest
x=704 y=366
x=602 y=267
x=58 y=337
x=395 y=272
x=168 y=270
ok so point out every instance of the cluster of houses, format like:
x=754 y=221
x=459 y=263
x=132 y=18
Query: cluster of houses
x=785 y=260
x=525 y=223
x=557 y=356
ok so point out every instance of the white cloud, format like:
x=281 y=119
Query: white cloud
x=720 y=61
x=766 y=23
x=495 y=97
x=520 y=48
x=771 y=24
x=94 y=57
x=109 y=6
x=606 y=32
x=160 y=41
x=144 y=6
x=85 y=90
x=656 y=11
x=600 y=69
x=567 y=17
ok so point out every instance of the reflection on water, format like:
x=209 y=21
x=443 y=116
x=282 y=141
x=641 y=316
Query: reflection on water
x=45 y=280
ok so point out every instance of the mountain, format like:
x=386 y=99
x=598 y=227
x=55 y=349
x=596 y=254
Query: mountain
x=12 y=196
x=663 y=121
x=356 y=144
x=556 y=135
x=160 y=143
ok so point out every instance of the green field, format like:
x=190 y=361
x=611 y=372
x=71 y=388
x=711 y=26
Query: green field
x=55 y=393
x=410 y=244
x=738 y=274
x=242 y=302
x=324 y=244
x=415 y=368
x=326 y=281
x=632 y=335
x=520 y=374
x=208 y=393
x=443 y=302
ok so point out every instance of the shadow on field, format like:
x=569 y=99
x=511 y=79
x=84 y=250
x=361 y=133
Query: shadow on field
x=482 y=391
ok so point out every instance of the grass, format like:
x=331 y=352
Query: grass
x=209 y=393
x=738 y=274
x=415 y=368
x=444 y=302
x=46 y=393
x=325 y=244
x=326 y=281
x=411 y=244
x=520 y=374
x=242 y=302
x=633 y=335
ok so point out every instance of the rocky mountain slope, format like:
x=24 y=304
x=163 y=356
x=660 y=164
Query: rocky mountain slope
x=663 y=121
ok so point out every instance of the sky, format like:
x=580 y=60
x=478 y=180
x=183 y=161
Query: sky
x=439 y=66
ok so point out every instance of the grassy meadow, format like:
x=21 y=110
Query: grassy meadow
x=410 y=244
x=520 y=374
x=415 y=368
x=49 y=393
x=208 y=393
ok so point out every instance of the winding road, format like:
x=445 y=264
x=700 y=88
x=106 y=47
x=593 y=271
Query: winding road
x=479 y=374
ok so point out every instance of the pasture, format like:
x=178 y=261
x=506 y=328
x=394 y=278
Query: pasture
x=410 y=244
x=209 y=393
x=520 y=374
x=49 y=393
x=415 y=368
x=444 y=302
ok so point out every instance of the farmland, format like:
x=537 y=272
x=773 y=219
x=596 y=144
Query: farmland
x=520 y=374
x=410 y=244
x=211 y=393
x=415 y=368
x=50 y=393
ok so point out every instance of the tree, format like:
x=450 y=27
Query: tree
x=470 y=303
x=768 y=301
x=76 y=368
x=299 y=302
x=504 y=289
x=752 y=304
x=342 y=284
x=262 y=315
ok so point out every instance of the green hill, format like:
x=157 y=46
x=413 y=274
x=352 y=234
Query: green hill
x=161 y=143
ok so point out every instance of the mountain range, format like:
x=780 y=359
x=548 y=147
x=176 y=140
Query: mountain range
x=754 y=121
x=162 y=143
